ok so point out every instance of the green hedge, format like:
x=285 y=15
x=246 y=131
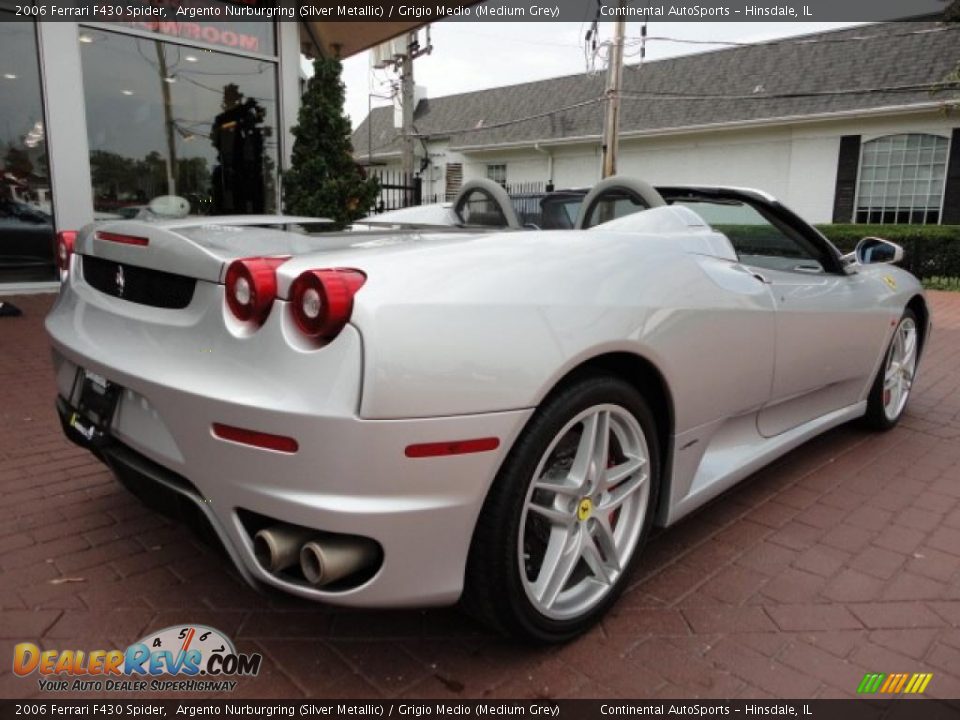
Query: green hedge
x=931 y=252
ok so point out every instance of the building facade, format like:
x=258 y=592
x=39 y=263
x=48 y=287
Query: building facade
x=97 y=120
x=844 y=126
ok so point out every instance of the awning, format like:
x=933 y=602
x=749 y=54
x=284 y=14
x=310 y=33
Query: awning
x=344 y=39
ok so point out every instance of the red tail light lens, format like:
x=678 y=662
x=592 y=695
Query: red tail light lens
x=252 y=287
x=322 y=300
x=66 y=239
x=123 y=239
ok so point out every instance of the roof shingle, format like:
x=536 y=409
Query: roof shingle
x=791 y=78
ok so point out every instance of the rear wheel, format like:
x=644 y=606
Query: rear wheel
x=891 y=388
x=567 y=513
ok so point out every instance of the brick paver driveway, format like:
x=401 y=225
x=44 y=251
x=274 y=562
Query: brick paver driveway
x=841 y=559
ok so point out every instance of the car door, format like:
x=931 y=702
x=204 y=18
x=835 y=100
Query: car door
x=828 y=323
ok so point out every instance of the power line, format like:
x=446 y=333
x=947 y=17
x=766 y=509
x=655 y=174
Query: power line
x=657 y=95
x=648 y=95
x=821 y=40
x=654 y=94
x=493 y=126
x=635 y=46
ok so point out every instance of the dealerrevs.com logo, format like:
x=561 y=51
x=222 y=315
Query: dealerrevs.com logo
x=202 y=659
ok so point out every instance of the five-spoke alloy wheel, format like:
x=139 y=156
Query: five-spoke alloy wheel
x=901 y=366
x=567 y=513
x=584 y=511
x=891 y=389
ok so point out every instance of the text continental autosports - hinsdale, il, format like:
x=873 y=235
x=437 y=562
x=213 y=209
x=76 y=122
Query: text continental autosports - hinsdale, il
x=698 y=710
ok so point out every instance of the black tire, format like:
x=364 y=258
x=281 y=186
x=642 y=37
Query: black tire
x=875 y=417
x=494 y=589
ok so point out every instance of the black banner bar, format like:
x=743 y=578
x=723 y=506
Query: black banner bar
x=192 y=11
x=859 y=709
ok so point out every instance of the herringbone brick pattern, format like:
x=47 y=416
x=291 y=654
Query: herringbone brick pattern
x=842 y=558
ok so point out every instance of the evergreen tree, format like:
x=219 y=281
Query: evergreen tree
x=324 y=180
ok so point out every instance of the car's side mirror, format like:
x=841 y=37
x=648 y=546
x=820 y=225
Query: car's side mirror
x=874 y=250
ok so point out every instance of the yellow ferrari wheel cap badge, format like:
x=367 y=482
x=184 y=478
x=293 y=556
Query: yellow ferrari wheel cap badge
x=584 y=509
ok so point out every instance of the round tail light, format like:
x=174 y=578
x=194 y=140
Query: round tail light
x=66 y=239
x=322 y=300
x=251 y=287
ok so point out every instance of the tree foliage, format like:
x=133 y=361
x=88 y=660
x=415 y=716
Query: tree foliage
x=324 y=180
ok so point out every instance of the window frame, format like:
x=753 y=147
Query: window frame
x=490 y=166
x=272 y=60
x=865 y=141
x=10 y=8
x=774 y=212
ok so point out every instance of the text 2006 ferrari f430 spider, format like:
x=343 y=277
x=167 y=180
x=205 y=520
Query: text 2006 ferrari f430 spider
x=405 y=416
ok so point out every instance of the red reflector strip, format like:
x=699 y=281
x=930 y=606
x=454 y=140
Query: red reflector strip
x=256 y=439
x=452 y=447
x=123 y=239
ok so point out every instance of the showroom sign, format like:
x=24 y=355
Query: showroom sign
x=241 y=35
x=215 y=33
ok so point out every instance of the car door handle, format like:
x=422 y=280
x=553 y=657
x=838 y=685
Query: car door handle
x=760 y=277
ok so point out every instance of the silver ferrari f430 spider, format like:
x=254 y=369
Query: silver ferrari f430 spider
x=457 y=403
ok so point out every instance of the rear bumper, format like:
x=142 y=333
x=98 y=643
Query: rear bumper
x=350 y=475
x=159 y=488
x=425 y=525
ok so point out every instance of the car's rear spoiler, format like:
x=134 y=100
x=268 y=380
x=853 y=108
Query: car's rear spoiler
x=197 y=247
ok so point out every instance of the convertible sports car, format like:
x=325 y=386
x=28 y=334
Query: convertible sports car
x=400 y=417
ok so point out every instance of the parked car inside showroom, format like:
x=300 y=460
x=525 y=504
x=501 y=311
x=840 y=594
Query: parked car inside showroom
x=411 y=415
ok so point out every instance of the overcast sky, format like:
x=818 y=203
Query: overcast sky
x=477 y=55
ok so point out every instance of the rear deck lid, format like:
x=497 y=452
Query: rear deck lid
x=202 y=248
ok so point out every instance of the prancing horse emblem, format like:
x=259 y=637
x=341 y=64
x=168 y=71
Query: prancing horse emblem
x=121 y=281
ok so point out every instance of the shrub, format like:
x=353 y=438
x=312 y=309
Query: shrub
x=323 y=179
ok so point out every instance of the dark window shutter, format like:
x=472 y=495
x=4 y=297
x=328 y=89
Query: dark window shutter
x=848 y=166
x=951 y=190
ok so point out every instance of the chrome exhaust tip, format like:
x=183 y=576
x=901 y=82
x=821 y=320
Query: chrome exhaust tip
x=325 y=560
x=277 y=548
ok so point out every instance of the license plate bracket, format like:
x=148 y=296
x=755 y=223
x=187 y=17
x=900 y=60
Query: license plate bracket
x=96 y=400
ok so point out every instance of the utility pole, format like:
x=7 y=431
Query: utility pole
x=408 y=105
x=611 y=124
x=370 y=97
x=407 y=87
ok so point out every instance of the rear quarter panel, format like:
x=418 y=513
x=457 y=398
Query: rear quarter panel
x=494 y=326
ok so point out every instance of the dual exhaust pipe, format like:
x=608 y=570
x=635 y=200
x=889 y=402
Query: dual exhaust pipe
x=323 y=559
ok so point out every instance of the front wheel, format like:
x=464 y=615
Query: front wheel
x=891 y=388
x=567 y=513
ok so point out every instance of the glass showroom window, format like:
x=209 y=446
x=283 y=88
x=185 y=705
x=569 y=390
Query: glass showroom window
x=26 y=215
x=167 y=119
x=901 y=179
